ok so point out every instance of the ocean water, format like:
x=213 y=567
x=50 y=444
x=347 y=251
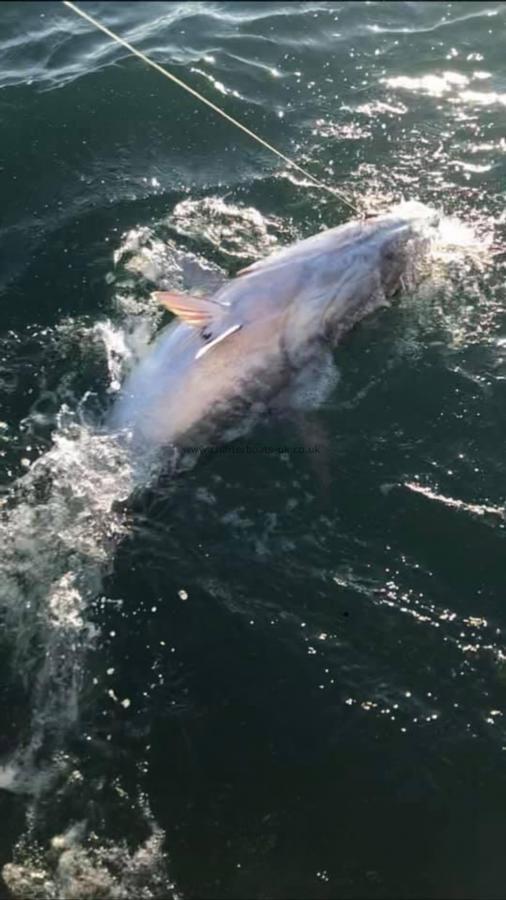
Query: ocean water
x=236 y=683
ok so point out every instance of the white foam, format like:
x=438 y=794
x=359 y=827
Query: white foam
x=78 y=865
x=57 y=530
x=117 y=350
x=240 y=232
x=56 y=533
x=476 y=509
x=143 y=253
x=59 y=525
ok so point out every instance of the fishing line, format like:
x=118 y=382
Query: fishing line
x=217 y=109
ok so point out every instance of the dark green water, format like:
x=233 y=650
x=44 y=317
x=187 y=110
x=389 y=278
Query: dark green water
x=246 y=686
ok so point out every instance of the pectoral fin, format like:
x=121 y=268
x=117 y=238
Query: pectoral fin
x=196 y=311
x=246 y=270
x=217 y=340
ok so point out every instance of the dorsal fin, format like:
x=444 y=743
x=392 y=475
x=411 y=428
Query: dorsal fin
x=196 y=311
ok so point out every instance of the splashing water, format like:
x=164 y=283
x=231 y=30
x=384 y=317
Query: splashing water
x=59 y=524
x=237 y=232
x=78 y=865
x=56 y=531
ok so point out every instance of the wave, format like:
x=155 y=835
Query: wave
x=65 y=48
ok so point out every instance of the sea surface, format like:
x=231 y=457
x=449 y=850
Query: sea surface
x=251 y=681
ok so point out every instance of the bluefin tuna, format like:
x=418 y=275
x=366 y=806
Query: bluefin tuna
x=228 y=358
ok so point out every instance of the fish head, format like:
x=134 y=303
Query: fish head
x=366 y=264
x=403 y=242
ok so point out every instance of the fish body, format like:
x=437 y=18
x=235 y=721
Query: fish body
x=245 y=348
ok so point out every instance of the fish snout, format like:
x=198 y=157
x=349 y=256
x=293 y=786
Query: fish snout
x=393 y=265
x=402 y=258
